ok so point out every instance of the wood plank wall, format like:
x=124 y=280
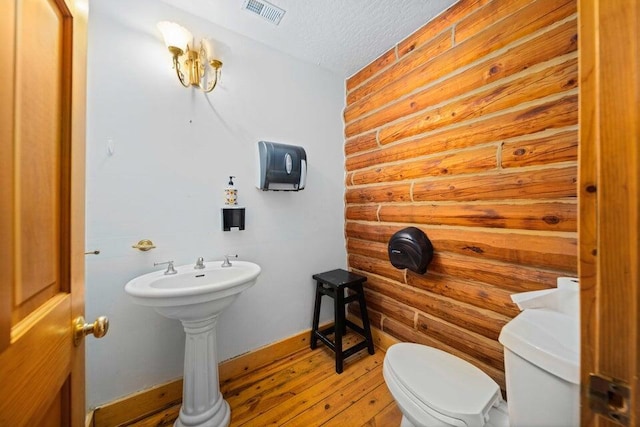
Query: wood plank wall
x=467 y=130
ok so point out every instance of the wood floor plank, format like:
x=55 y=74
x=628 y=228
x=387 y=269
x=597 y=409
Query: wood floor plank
x=256 y=359
x=163 y=418
x=389 y=416
x=338 y=402
x=278 y=388
x=361 y=364
x=371 y=402
x=252 y=377
x=233 y=385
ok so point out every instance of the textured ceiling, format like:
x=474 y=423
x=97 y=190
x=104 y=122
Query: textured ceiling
x=340 y=35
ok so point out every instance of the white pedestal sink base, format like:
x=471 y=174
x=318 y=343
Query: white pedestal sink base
x=197 y=296
x=202 y=402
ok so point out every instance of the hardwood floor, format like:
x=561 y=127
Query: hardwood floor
x=303 y=389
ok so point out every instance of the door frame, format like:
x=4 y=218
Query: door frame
x=77 y=249
x=608 y=200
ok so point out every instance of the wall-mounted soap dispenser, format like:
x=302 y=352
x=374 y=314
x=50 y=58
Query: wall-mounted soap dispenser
x=232 y=214
x=231 y=193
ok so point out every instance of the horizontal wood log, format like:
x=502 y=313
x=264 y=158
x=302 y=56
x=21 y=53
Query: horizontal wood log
x=530 y=184
x=382 y=62
x=556 y=252
x=486 y=16
x=361 y=143
x=445 y=20
x=434 y=47
x=526 y=21
x=475 y=293
x=536 y=250
x=554 y=79
x=462 y=162
x=348 y=179
x=375 y=317
x=362 y=213
x=511 y=277
x=560 y=147
x=534 y=216
x=371 y=231
x=479 y=294
x=479 y=320
x=379 y=193
x=391 y=307
x=368 y=248
x=483 y=322
x=558 y=113
x=375 y=266
x=482 y=348
x=559 y=41
x=404 y=333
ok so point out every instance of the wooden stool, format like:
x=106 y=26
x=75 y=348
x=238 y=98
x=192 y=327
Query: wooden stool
x=333 y=283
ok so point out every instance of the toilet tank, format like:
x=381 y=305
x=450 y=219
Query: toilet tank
x=542 y=363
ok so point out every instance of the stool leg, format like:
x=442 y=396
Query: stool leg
x=344 y=311
x=316 y=317
x=365 y=319
x=339 y=327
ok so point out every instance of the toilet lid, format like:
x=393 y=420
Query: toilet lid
x=444 y=382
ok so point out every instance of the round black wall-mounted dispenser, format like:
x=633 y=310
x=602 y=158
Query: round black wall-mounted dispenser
x=410 y=248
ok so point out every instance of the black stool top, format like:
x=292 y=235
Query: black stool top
x=339 y=278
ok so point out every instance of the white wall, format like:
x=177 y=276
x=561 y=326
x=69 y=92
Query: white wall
x=174 y=149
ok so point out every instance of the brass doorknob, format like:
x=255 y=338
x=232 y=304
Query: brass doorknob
x=98 y=328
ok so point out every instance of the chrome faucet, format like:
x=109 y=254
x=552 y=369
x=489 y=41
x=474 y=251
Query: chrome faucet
x=170 y=270
x=226 y=262
x=199 y=264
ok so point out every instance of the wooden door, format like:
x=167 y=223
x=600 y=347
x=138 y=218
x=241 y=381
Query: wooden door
x=609 y=199
x=42 y=127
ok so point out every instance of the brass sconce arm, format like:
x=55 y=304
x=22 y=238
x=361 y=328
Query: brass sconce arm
x=177 y=52
x=216 y=66
x=195 y=62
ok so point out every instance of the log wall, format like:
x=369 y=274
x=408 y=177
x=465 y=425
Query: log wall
x=467 y=130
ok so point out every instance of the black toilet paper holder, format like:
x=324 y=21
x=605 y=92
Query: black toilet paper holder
x=410 y=248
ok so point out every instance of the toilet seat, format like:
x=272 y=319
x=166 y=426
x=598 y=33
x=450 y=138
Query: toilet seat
x=444 y=385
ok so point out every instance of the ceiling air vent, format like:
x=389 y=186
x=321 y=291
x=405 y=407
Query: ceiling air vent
x=265 y=9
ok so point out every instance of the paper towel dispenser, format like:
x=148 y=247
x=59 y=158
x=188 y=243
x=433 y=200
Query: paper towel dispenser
x=281 y=167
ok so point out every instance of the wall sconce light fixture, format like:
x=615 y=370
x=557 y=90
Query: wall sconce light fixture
x=201 y=71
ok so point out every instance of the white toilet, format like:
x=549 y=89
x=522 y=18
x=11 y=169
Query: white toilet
x=541 y=347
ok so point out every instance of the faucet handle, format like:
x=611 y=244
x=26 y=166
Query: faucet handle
x=199 y=264
x=170 y=269
x=226 y=262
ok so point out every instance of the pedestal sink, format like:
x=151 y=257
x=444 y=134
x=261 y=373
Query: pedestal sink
x=196 y=297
